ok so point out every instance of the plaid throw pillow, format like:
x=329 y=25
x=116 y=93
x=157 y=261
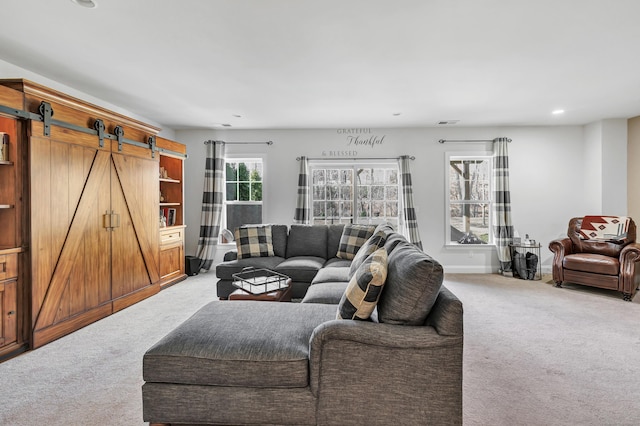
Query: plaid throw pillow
x=364 y=289
x=374 y=242
x=353 y=237
x=253 y=241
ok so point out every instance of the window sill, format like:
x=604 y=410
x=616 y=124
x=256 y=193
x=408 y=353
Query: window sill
x=455 y=246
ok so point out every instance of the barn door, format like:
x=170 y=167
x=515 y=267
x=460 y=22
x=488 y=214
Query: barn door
x=92 y=250
x=70 y=250
x=134 y=239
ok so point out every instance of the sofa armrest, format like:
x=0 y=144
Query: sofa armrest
x=443 y=327
x=560 y=248
x=417 y=369
x=629 y=270
x=230 y=255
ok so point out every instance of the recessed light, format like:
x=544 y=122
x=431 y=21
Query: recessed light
x=395 y=114
x=89 y=4
x=237 y=115
x=557 y=111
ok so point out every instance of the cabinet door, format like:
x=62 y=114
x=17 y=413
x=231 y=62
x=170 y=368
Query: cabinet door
x=135 y=246
x=171 y=263
x=71 y=248
x=8 y=312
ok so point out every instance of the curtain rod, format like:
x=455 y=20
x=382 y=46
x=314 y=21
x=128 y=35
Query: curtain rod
x=411 y=157
x=468 y=140
x=241 y=143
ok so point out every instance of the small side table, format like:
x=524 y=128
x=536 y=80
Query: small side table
x=531 y=253
x=282 y=295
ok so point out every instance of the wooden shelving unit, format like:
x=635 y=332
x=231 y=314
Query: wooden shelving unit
x=172 y=268
x=13 y=285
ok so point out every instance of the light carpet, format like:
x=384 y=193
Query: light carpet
x=534 y=355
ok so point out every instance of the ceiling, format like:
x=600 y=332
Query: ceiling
x=258 y=64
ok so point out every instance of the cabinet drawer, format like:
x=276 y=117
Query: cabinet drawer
x=8 y=266
x=171 y=237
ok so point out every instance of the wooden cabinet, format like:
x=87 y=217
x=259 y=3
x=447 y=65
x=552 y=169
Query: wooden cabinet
x=171 y=255
x=13 y=333
x=8 y=299
x=171 y=178
x=91 y=221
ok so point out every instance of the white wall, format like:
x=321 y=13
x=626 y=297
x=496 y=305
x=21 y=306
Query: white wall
x=605 y=179
x=547 y=170
x=555 y=172
x=614 y=154
x=633 y=172
x=8 y=71
x=592 y=179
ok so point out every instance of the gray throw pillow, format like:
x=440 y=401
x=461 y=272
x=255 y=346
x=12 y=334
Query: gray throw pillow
x=413 y=282
x=307 y=240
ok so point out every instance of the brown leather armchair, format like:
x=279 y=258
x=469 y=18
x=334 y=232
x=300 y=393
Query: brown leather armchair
x=611 y=265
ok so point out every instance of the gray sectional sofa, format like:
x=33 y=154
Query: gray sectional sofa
x=299 y=252
x=255 y=362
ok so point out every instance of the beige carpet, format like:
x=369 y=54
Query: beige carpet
x=534 y=355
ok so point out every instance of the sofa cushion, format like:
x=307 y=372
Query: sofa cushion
x=307 y=240
x=336 y=262
x=413 y=283
x=279 y=235
x=353 y=237
x=374 y=242
x=336 y=274
x=364 y=289
x=239 y=343
x=334 y=233
x=393 y=240
x=328 y=292
x=254 y=241
x=300 y=268
x=225 y=270
x=592 y=263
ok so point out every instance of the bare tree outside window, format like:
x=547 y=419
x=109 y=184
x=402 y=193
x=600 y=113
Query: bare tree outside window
x=470 y=200
x=366 y=194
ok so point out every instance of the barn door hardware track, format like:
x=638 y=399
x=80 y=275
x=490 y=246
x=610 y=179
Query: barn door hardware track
x=46 y=116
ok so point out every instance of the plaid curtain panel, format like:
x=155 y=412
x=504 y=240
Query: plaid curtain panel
x=302 y=215
x=502 y=226
x=409 y=221
x=212 y=202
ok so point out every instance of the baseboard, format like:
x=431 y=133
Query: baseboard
x=480 y=269
x=468 y=269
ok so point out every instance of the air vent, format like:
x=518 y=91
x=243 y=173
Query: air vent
x=447 y=122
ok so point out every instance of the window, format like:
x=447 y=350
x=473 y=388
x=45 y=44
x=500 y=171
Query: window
x=355 y=194
x=244 y=178
x=469 y=201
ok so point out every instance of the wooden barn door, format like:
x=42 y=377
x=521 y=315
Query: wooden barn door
x=135 y=242
x=85 y=225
